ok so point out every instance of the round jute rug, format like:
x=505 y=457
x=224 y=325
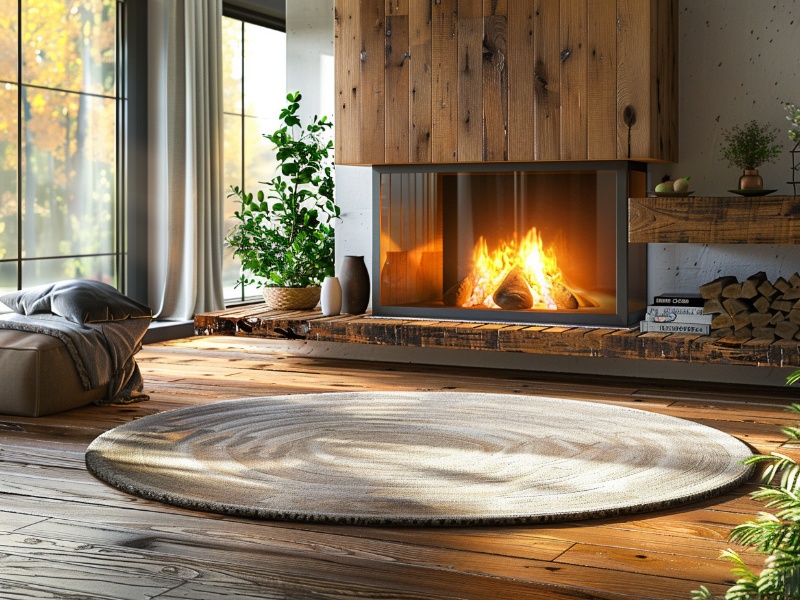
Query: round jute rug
x=408 y=458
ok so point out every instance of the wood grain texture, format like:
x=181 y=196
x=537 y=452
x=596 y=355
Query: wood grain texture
x=520 y=80
x=547 y=89
x=397 y=7
x=495 y=80
x=601 y=123
x=347 y=48
x=534 y=80
x=573 y=74
x=63 y=533
x=635 y=62
x=559 y=341
x=420 y=84
x=470 y=82
x=373 y=81
x=664 y=146
x=720 y=220
x=444 y=77
x=398 y=61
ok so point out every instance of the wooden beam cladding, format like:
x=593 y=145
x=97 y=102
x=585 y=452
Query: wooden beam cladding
x=520 y=80
x=601 y=124
x=398 y=79
x=373 y=79
x=420 y=84
x=495 y=80
x=470 y=82
x=573 y=63
x=445 y=81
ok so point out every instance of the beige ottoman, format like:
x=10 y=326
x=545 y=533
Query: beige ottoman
x=38 y=376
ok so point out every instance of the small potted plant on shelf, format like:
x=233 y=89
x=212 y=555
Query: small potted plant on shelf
x=748 y=147
x=284 y=238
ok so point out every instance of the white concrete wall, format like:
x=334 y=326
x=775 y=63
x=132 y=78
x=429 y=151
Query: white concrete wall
x=738 y=61
x=309 y=55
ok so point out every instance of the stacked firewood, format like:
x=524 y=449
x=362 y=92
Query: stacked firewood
x=754 y=308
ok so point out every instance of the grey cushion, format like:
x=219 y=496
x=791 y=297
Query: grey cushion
x=79 y=300
x=39 y=376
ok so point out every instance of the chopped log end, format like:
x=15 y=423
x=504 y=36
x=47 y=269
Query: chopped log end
x=732 y=290
x=733 y=306
x=713 y=289
x=713 y=307
x=782 y=285
x=786 y=330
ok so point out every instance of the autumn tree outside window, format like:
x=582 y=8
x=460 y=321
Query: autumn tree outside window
x=61 y=205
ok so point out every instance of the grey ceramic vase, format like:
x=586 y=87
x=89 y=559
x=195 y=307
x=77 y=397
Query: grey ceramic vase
x=354 y=279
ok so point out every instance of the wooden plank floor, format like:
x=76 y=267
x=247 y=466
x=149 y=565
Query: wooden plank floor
x=63 y=534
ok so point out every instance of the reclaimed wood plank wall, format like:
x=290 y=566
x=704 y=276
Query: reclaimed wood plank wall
x=446 y=81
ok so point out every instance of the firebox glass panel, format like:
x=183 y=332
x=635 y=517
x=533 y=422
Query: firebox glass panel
x=506 y=245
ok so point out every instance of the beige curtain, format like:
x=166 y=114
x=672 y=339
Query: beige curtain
x=185 y=219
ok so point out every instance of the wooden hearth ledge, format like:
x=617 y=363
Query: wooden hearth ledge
x=257 y=321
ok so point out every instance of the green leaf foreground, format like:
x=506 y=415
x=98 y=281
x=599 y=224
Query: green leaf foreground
x=775 y=534
x=286 y=237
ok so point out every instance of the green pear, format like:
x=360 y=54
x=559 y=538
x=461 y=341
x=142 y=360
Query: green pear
x=665 y=186
x=682 y=185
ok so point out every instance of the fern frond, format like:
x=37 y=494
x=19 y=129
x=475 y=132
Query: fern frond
x=778 y=497
x=740 y=569
x=781 y=577
x=778 y=463
x=743 y=590
x=762 y=534
x=793 y=433
x=701 y=594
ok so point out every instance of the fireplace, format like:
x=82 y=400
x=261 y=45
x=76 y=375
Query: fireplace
x=534 y=243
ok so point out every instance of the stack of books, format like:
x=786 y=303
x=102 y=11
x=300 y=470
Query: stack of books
x=677 y=313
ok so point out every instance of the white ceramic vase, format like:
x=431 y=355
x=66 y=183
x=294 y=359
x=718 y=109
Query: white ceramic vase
x=331 y=297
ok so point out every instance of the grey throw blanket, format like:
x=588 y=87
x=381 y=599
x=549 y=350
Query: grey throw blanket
x=103 y=353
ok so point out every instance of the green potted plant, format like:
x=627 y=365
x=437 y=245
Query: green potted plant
x=284 y=237
x=748 y=147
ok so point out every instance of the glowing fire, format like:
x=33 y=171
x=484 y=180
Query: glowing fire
x=538 y=267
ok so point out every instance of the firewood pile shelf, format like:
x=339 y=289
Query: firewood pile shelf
x=599 y=342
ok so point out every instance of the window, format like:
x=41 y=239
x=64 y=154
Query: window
x=254 y=91
x=60 y=105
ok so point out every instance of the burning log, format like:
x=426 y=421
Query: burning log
x=563 y=298
x=514 y=293
x=459 y=293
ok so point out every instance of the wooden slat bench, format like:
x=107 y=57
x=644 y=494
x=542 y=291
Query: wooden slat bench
x=258 y=321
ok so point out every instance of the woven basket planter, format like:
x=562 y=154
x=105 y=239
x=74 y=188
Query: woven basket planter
x=283 y=298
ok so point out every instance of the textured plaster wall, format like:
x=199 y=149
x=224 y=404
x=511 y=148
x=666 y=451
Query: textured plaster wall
x=739 y=61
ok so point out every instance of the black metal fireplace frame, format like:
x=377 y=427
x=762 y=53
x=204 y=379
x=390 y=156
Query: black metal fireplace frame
x=631 y=259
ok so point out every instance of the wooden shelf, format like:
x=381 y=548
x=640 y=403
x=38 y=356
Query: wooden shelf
x=257 y=321
x=715 y=220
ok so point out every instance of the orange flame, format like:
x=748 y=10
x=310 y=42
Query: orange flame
x=539 y=267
